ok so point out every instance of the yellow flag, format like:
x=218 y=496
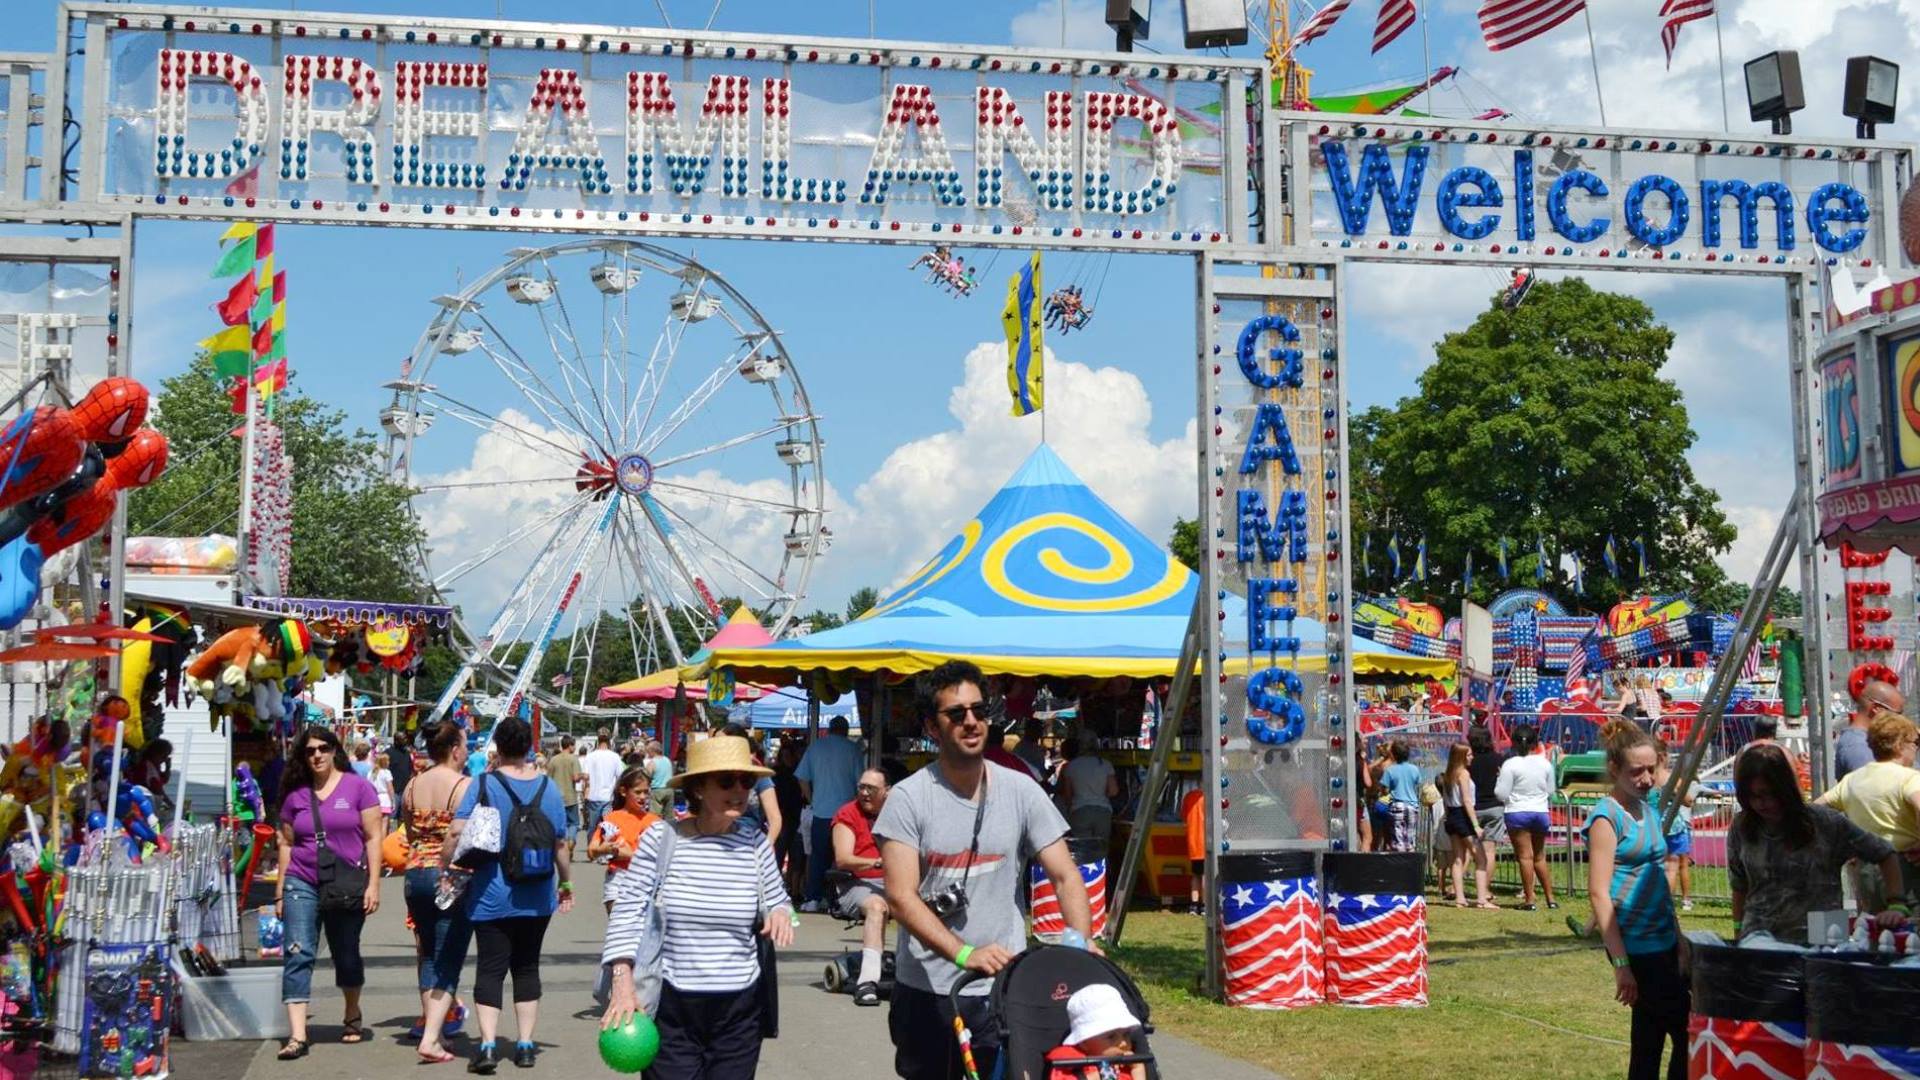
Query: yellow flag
x=232 y=339
x=279 y=320
x=239 y=230
x=1023 y=319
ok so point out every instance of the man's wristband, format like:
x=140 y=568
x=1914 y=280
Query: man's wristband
x=1736 y=928
x=566 y=887
x=1618 y=961
x=960 y=958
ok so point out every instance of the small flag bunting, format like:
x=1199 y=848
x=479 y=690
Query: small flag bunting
x=237 y=259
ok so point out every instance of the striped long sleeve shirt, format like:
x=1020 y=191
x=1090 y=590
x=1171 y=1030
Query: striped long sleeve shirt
x=715 y=889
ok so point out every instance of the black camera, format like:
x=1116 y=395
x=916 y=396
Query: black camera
x=947 y=902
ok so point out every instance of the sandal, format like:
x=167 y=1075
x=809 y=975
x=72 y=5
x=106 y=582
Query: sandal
x=1529 y=907
x=1487 y=905
x=294 y=1049
x=352 y=1031
x=438 y=1057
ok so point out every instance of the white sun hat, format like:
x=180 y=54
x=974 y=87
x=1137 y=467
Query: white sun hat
x=1096 y=1010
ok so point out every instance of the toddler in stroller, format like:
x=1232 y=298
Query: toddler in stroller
x=1031 y=1010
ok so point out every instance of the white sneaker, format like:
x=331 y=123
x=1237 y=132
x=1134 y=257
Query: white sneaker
x=812 y=907
x=1686 y=905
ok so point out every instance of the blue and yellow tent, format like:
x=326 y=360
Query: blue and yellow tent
x=1046 y=580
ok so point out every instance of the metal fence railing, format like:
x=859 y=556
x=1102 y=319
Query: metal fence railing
x=1567 y=851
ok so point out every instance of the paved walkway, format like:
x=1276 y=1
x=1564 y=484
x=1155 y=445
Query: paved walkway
x=822 y=1035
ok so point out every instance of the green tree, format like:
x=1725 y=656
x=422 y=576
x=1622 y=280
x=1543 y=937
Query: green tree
x=1730 y=596
x=354 y=536
x=863 y=598
x=1552 y=420
x=821 y=619
x=1183 y=543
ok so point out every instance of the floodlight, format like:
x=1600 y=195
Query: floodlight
x=1773 y=89
x=1129 y=21
x=1215 y=24
x=1873 y=86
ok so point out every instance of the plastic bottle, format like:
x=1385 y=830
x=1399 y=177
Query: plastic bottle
x=452 y=884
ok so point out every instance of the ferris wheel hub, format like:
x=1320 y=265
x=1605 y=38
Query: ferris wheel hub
x=634 y=474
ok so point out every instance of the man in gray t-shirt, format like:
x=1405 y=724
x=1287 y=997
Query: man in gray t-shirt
x=927 y=846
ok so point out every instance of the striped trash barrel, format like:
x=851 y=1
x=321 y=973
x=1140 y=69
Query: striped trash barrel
x=1047 y=920
x=1270 y=930
x=1376 y=930
x=1861 y=1020
x=1749 y=1017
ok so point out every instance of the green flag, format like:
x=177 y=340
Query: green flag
x=231 y=350
x=236 y=259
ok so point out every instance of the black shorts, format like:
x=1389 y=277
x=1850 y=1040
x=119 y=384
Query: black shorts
x=1459 y=822
x=924 y=1047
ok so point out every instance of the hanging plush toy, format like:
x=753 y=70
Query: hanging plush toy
x=111 y=412
x=224 y=668
x=113 y=711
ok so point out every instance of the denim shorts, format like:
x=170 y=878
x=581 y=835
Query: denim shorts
x=1681 y=843
x=1530 y=821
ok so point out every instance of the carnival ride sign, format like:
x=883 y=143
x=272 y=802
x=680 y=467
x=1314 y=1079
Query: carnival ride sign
x=472 y=123
x=1706 y=203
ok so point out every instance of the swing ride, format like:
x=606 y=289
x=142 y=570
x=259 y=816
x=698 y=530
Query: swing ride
x=619 y=475
x=947 y=270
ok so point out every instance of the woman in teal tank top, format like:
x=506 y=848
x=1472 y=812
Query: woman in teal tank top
x=1632 y=909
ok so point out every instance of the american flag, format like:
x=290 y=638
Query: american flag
x=1576 y=664
x=1717 y=1046
x=1394 y=19
x=1506 y=23
x=1270 y=938
x=1750 y=666
x=1047 y=921
x=1677 y=13
x=1376 y=949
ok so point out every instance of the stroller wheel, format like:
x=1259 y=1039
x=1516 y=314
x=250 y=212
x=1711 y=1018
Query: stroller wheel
x=834 y=978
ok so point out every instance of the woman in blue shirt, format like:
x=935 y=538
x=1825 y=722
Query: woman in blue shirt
x=1632 y=909
x=510 y=917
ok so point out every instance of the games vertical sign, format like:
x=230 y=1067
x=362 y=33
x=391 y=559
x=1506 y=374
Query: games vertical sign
x=1273 y=537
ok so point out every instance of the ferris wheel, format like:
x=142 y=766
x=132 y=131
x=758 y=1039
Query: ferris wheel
x=606 y=442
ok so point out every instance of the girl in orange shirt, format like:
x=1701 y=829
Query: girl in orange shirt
x=618 y=834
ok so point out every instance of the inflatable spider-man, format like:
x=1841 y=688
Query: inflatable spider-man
x=60 y=474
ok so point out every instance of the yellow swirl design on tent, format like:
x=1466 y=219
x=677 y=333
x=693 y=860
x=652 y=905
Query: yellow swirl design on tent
x=927 y=575
x=1119 y=565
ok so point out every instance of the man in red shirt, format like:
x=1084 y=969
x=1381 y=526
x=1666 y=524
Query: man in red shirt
x=855 y=851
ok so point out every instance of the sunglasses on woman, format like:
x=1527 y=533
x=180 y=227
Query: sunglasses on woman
x=732 y=780
x=319 y=750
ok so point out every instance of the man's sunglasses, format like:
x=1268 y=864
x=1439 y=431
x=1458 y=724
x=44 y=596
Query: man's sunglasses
x=958 y=713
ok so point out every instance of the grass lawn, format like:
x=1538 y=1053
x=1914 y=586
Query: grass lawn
x=1512 y=994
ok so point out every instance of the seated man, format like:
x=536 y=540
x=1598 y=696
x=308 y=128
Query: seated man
x=855 y=851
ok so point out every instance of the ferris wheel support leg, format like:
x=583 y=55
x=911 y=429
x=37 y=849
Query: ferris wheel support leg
x=458 y=684
x=530 y=663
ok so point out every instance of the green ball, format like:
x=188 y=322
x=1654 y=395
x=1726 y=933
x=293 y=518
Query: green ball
x=630 y=1047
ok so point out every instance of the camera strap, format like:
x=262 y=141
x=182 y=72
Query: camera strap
x=979 y=815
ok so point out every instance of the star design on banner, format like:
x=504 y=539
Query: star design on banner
x=1368 y=900
x=1243 y=895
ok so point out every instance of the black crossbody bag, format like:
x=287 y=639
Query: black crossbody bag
x=343 y=885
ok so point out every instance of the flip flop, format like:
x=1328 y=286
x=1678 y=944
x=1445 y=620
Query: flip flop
x=440 y=1058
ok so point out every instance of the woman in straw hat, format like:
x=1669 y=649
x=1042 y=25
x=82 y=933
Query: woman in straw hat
x=717 y=887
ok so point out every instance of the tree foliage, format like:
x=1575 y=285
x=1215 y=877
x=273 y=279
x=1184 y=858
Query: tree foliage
x=863 y=598
x=353 y=534
x=1183 y=543
x=1553 y=421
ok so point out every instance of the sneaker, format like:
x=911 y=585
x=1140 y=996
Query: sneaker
x=523 y=1055
x=1686 y=905
x=485 y=1059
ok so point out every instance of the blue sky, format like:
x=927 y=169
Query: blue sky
x=914 y=446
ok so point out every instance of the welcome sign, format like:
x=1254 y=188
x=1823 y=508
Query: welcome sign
x=1486 y=189
x=329 y=115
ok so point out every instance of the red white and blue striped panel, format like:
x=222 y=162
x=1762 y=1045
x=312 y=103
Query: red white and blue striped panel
x=1376 y=949
x=1677 y=13
x=1045 y=905
x=1744 y=1049
x=1270 y=943
x=1839 y=1061
x=1321 y=22
x=1395 y=17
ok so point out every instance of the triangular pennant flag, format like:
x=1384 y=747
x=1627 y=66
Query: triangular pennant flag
x=239 y=302
x=279 y=319
x=276 y=349
x=280 y=287
x=236 y=259
x=239 y=230
x=263 y=242
x=263 y=340
x=1503 y=558
x=266 y=274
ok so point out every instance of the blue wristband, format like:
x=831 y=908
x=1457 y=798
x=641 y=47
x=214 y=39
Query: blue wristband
x=1073 y=939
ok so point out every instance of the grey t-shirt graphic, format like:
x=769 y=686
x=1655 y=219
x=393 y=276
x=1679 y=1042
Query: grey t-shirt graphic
x=925 y=813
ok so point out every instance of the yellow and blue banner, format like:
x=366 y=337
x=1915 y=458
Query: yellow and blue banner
x=1610 y=555
x=1022 y=319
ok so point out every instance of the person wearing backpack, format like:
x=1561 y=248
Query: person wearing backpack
x=512 y=897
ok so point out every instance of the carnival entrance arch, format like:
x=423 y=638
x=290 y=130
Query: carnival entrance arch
x=224 y=113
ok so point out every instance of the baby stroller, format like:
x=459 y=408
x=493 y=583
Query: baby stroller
x=1028 y=1008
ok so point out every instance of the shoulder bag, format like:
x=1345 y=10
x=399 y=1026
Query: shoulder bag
x=649 y=973
x=343 y=885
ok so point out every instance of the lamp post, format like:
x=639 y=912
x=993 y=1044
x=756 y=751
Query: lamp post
x=1872 y=88
x=1774 y=92
x=1128 y=18
x=1213 y=24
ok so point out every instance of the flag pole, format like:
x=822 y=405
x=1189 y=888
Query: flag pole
x=1726 y=116
x=1593 y=54
x=1426 y=57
